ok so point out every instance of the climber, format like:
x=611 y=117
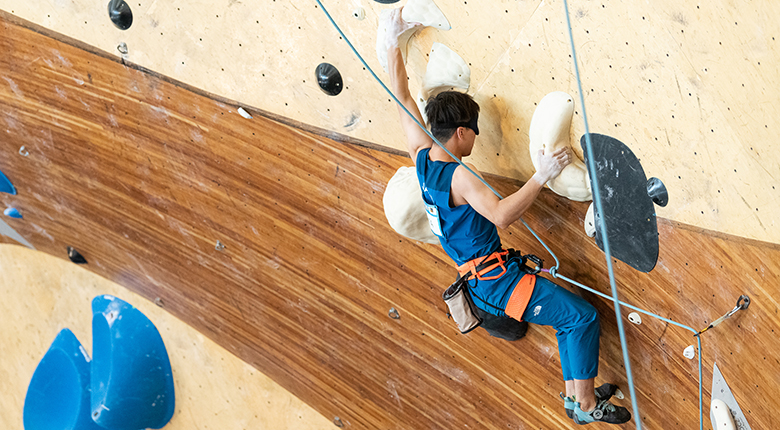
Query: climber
x=464 y=215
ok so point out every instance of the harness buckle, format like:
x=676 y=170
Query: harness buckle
x=534 y=259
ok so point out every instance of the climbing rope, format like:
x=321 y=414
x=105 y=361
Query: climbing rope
x=605 y=240
x=553 y=271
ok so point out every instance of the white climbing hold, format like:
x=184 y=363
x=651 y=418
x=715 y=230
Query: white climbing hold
x=720 y=416
x=424 y=12
x=23 y=152
x=689 y=352
x=446 y=71
x=404 y=207
x=590 y=223
x=635 y=318
x=359 y=13
x=550 y=131
x=244 y=113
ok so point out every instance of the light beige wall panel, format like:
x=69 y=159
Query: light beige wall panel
x=43 y=294
x=691 y=88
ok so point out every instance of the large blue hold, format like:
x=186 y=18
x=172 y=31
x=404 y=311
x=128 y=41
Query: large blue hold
x=5 y=185
x=132 y=382
x=58 y=395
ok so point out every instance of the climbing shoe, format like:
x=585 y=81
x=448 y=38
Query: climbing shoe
x=604 y=392
x=568 y=404
x=604 y=412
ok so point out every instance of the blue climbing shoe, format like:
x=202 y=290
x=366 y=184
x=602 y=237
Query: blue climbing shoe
x=604 y=412
x=568 y=404
x=604 y=392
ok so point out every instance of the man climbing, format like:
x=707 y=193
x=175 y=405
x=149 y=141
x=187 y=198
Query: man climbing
x=465 y=220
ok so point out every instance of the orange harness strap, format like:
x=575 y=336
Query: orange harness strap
x=471 y=266
x=521 y=295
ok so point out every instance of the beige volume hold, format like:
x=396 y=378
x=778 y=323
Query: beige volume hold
x=550 y=131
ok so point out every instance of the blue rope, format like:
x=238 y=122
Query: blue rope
x=692 y=330
x=605 y=239
x=344 y=36
x=554 y=270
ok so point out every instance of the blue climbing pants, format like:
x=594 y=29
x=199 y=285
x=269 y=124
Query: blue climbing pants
x=576 y=323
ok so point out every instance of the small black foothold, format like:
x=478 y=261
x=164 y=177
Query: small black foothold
x=657 y=191
x=120 y=14
x=337 y=422
x=329 y=79
x=393 y=313
x=387 y=1
x=75 y=256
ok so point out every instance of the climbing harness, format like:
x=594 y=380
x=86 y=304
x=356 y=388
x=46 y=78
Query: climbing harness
x=459 y=296
x=482 y=265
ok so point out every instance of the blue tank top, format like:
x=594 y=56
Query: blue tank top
x=466 y=234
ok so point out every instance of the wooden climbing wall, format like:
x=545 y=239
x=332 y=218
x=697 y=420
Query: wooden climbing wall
x=143 y=175
x=43 y=294
x=690 y=87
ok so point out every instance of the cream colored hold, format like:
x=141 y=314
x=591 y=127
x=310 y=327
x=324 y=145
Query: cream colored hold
x=404 y=207
x=720 y=415
x=590 y=223
x=446 y=71
x=424 y=12
x=550 y=131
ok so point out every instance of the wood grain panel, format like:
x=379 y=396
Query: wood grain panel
x=144 y=175
x=690 y=87
x=214 y=389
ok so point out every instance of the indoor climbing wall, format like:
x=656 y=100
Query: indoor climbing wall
x=690 y=87
x=271 y=241
x=43 y=294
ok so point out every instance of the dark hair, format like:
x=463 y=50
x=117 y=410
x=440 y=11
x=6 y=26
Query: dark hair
x=448 y=108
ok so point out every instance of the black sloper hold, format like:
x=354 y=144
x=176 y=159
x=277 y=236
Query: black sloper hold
x=120 y=14
x=657 y=191
x=387 y=1
x=75 y=256
x=329 y=79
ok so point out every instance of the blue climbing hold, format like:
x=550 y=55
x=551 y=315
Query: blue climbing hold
x=58 y=395
x=13 y=213
x=132 y=381
x=5 y=185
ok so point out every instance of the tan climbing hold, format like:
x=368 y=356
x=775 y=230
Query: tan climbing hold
x=550 y=131
x=404 y=207
x=424 y=12
x=446 y=71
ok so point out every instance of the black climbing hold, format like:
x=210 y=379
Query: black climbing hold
x=657 y=191
x=120 y=14
x=629 y=213
x=387 y=1
x=75 y=256
x=329 y=79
